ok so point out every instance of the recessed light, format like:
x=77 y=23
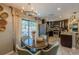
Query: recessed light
x=58 y=9
x=23 y=8
x=59 y=16
x=32 y=8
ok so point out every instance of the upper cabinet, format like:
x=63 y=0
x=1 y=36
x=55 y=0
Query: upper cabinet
x=64 y=25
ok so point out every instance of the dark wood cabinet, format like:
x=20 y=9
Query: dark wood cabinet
x=53 y=27
x=66 y=40
x=64 y=25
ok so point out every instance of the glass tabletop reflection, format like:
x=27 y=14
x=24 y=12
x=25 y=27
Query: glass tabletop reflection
x=29 y=45
x=28 y=42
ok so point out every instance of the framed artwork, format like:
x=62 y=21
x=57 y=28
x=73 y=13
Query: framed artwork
x=75 y=27
x=3 y=17
x=3 y=24
x=1 y=8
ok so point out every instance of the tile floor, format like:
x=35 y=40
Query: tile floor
x=63 y=50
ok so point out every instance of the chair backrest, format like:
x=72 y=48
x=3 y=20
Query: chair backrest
x=22 y=51
x=22 y=40
x=51 y=51
x=38 y=53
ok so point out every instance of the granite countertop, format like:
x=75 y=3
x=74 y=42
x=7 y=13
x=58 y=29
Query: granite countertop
x=67 y=33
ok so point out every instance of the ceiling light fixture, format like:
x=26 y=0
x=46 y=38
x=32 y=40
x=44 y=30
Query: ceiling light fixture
x=73 y=17
x=23 y=8
x=32 y=8
x=58 y=9
x=60 y=17
x=29 y=11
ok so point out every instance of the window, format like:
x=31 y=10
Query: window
x=27 y=28
x=24 y=28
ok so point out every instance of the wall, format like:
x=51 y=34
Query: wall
x=16 y=25
x=6 y=44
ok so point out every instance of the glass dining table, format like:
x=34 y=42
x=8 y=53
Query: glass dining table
x=31 y=46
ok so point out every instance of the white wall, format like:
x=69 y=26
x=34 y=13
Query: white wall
x=6 y=36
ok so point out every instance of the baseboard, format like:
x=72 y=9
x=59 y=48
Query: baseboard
x=9 y=53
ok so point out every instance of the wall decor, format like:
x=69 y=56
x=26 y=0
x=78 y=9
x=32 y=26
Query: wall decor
x=0 y=17
x=1 y=8
x=3 y=24
x=75 y=27
x=4 y=15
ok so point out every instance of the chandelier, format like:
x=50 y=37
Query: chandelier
x=73 y=18
x=29 y=11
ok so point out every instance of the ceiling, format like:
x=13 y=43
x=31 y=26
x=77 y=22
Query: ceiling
x=49 y=10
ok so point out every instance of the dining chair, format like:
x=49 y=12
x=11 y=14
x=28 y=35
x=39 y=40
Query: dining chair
x=38 y=53
x=22 y=40
x=50 y=51
x=22 y=51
